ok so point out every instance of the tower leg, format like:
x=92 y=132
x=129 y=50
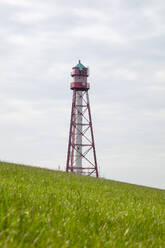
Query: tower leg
x=70 y=131
x=92 y=135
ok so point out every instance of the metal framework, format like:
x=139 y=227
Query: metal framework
x=81 y=157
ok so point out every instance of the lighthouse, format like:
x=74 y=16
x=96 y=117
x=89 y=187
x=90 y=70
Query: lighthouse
x=81 y=155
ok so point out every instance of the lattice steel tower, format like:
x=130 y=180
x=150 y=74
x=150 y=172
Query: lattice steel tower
x=81 y=157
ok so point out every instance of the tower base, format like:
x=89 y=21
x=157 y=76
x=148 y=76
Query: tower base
x=81 y=157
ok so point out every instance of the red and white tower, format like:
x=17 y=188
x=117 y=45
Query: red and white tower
x=81 y=157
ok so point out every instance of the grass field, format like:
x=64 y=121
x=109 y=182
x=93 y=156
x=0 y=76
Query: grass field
x=44 y=208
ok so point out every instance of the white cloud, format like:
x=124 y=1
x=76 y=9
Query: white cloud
x=24 y=3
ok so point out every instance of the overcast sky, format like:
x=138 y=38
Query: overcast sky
x=123 y=43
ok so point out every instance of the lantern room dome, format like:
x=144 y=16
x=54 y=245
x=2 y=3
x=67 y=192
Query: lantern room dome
x=79 y=65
